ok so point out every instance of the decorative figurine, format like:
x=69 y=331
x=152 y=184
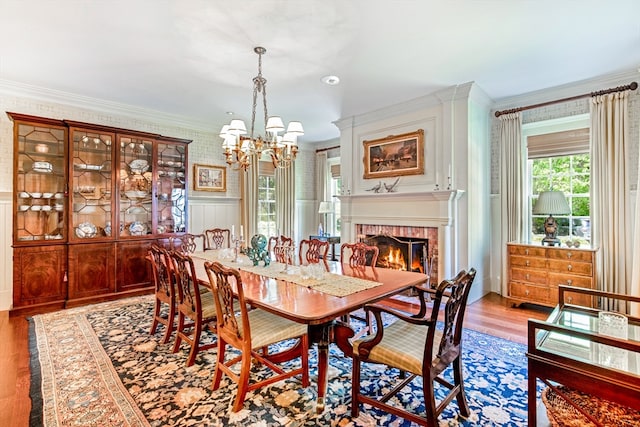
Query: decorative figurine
x=258 y=250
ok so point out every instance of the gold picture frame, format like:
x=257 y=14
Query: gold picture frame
x=394 y=155
x=209 y=178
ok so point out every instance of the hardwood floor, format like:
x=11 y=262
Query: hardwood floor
x=492 y=315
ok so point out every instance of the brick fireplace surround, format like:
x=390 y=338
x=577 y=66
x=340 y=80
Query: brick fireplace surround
x=430 y=215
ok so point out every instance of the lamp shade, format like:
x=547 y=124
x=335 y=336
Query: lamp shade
x=551 y=203
x=325 y=207
x=295 y=128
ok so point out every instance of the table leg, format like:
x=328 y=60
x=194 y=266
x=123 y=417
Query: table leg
x=321 y=334
x=532 y=400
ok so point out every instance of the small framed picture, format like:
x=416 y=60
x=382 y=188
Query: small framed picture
x=209 y=178
x=395 y=155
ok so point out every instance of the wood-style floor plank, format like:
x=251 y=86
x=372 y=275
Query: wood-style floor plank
x=492 y=315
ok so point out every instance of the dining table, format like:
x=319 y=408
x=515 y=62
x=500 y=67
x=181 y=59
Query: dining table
x=318 y=299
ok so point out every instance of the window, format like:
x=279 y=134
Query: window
x=334 y=189
x=559 y=160
x=569 y=174
x=266 y=200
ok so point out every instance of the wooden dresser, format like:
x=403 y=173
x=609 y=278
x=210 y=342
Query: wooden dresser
x=535 y=272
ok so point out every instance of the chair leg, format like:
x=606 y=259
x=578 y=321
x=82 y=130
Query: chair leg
x=458 y=381
x=429 y=402
x=170 y=322
x=243 y=381
x=304 y=360
x=195 y=344
x=156 y=314
x=217 y=375
x=355 y=387
x=176 y=344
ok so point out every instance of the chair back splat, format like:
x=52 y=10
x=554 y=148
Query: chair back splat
x=415 y=345
x=313 y=251
x=186 y=243
x=252 y=332
x=217 y=238
x=359 y=254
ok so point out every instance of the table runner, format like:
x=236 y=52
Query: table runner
x=332 y=284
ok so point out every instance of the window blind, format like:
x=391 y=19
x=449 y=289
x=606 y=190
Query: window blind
x=565 y=143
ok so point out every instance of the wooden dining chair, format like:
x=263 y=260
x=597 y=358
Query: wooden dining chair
x=187 y=243
x=165 y=292
x=249 y=332
x=358 y=254
x=217 y=238
x=313 y=251
x=416 y=346
x=196 y=309
x=282 y=248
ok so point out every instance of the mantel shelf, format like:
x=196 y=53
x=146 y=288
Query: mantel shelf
x=442 y=195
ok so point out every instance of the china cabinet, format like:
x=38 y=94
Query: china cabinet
x=89 y=201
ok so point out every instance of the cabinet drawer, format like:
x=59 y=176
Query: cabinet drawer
x=557 y=279
x=570 y=255
x=570 y=298
x=529 y=275
x=525 y=261
x=527 y=250
x=580 y=268
x=529 y=292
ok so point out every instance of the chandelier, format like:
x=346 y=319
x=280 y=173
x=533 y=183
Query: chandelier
x=239 y=149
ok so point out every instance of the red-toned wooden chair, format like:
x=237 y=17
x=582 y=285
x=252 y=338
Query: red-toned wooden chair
x=187 y=243
x=250 y=331
x=358 y=254
x=165 y=292
x=313 y=251
x=283 y=249
x=217 y=238
x=196 y=309
x=415 y=345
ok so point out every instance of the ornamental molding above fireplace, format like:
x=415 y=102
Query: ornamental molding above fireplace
x=429 y=214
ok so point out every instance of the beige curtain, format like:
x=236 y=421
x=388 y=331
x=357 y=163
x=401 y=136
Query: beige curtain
x=610 y=189
x=512 y=174
x=635 y=274
x=249 y=202
x=286 y=200
x=321 y=184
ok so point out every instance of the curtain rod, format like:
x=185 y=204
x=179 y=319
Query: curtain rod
x=631 y=86
x=320 y=150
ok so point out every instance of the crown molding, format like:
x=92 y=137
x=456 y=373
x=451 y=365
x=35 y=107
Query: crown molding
x=568 y=90
x=23 y=90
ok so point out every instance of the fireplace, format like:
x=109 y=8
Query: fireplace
x=400 y=253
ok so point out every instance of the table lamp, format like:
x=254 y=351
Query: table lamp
x=551 y=203
x=325 y=208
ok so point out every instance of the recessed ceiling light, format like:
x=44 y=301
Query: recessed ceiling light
x=331 y=80
x=229 y=113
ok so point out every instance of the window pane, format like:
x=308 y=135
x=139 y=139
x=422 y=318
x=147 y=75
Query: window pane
x=571 y=175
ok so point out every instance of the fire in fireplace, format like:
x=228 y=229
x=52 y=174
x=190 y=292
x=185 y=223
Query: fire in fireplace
x=400 y=253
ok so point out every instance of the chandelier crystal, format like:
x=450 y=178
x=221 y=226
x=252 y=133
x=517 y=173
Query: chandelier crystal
x=239 y=148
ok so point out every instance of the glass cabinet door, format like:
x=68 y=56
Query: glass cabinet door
x=136 y=185
x=92 y=184
x=40 y=183
x=171 y=191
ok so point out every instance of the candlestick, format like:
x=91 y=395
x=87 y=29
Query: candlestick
x=233 y=230
x=241 y=231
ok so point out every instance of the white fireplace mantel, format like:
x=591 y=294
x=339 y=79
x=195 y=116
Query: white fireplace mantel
x=438 y=209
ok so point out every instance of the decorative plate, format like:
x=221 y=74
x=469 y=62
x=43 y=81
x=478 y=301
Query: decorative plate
x=137 y=228
x=86 y=230
x=139 y=166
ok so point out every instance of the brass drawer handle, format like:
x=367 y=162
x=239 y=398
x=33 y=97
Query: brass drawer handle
x=526 y=292
x=569 y=267
x=527 y=276
x=526 y=263
x=568 y=254
x=569 y=300
x=569 y=282
x=526 y=251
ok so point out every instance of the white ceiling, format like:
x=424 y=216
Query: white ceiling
x=195 y=58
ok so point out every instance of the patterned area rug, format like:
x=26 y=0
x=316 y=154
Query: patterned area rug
x=99 y=366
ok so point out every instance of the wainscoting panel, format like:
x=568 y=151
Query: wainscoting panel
x=210 y=212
